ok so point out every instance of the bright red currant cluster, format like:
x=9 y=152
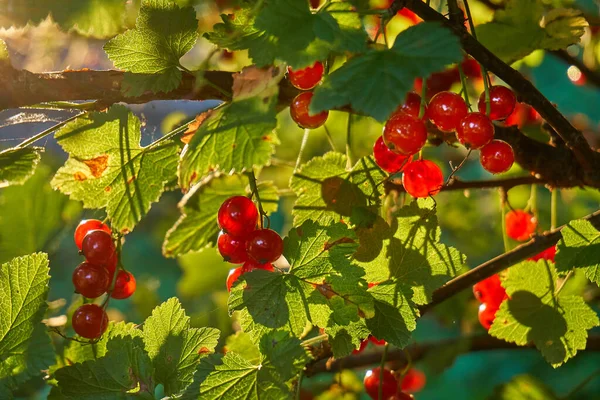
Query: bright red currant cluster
x=413 y=381
x=491 y=294
x=241 y=242
x=93 y=277
x=520 y=225
x=306 y=79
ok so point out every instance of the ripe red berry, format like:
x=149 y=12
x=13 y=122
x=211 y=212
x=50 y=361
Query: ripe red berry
x=471 y=68
x=388 y=160
x=404 y=134
x=490 y=290
x=422 y=178
x=232 y=248
x=520 y=224
x=264 y=246
x=124 y=285
x=111 y=265
x=549 y=254
x=90 y=280
x=523 y=114
x=238 y=216
x=502 y=102
x=251 y=265
x=486 y=314
x=389 y=385
x=402 y=396
x=234 y=274
x=376 y=341
x=413 y=381
x=300 y=114
x=412 y=106
x=90 y=321
x=446 y=110
x=362 y=347
x=87 y=225
x=497 y=156
x=475 y=130
x=306 y=78
x=98 y=247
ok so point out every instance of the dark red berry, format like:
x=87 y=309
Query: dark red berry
x=549 y=254
x=404 y=134
x=389 y=385
x=124 y=285
x=446 y=110
x=471 y=68
x=413 y=381
x=234 y=274
x=89 y=321
x=388 y=160
x=251 y=265
x=306 y=78
x=90 y=281
x=300 y=114
x=502 y=102
x=475 y=130
x=402 y=396
x=111 y=265
x=264 y=246
x=520 y=224
x=238 y=216
x=87 y=225
x=438 y=82
x=497 y=156
x=314 y=4
x=412 y=106
x=98 y=247
x=232 y=248
x=487 y=314
x=490 y=291
x=422 y=178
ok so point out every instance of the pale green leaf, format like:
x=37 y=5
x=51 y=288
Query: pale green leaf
x=92 y=18
x=523 y=387
x=17 y=165
x=241 y=343
x=580 y=248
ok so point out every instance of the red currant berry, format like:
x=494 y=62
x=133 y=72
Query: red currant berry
x=471 y=68
x=446 y=110
x=487 y=314
x=376 y=341
x=124 y=285
x=372 y=284
x=90 y=281
x=523 y=114
x=88 y=225
x=234 y=274
x=475 y=130
x=404 y=134
x=264 y=246
x=314 y=4
x=111 y=265
x=388 y=160
x=300 y=114
x=361 y=348
x=238 y=216
x=502 y=102
x=306 y=78
x=251 y=265
x=389 y=385
x=549 y=254
x=98 y=247
x=520 y=224
x=413 y=381
x=422 y=178
x=89 y=321
x=411 y=106
x=497 y=156
x=402 y=396
x=490 y=290
x=232 y=248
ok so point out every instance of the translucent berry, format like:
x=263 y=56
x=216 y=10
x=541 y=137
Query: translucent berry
x=300 y=114
x=98 y=247
x=389 y=385
x=412 y=105
x=549 y=254
x=497 y=156
x=388 y=160
x=404 y=134
x=238 y=216
x=89 y=321
x=413 y=381
x=520 y=224
x=487 y=314
x=91 y=281
x=502 y=102
x=124 y=285
x=362 y=347
x=251 y=265
x=87 y=225
x=306 y=78
x=422 y=178
x=471 y=68
x=475 y=130
x=234 y=274
x=446 y=110
x=232 y=248
x=490 y=290
x=264 y=246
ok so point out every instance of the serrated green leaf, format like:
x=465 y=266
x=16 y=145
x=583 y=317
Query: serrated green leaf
x=580 y=248
x=197 y=226
x=107 y=167
x=344 y=339
x=242 y=344
x=523 y=387
x=521 y=27
x=557 y=324
x=174 y=347
x=163 y=34
x=25 y=348
x=418 y=51
x=17 y=165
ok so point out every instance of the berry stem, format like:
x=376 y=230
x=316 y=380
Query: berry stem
x=314 y=340
x=502 y=193
x=463 y=82
x=381 y=370
x=562 y=284
x=301 y=151
x=46 y=132
x=423 y=96
x=256 y=195
x=553 y=201
x=299 y=385
x=455 y=170
x=329 y=138
x=349 y=154
x=581 y=385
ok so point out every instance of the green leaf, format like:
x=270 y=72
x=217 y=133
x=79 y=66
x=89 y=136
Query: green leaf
x=242 y=344
x=25 y=348
x=124 y=372
x=327 y=192
x=557 y=324
x=163 y=34
x=418 y=51
x=174 y=347
x=580 y=248
x=107 y=167
x=197 y=226
x=17 y=165
x=523 y=387
x=523 y=26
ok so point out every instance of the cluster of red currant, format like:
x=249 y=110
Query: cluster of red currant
x=491 y=294
x=412 y=381
x=241 y=242
x=94 y=277
x=306 y=79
